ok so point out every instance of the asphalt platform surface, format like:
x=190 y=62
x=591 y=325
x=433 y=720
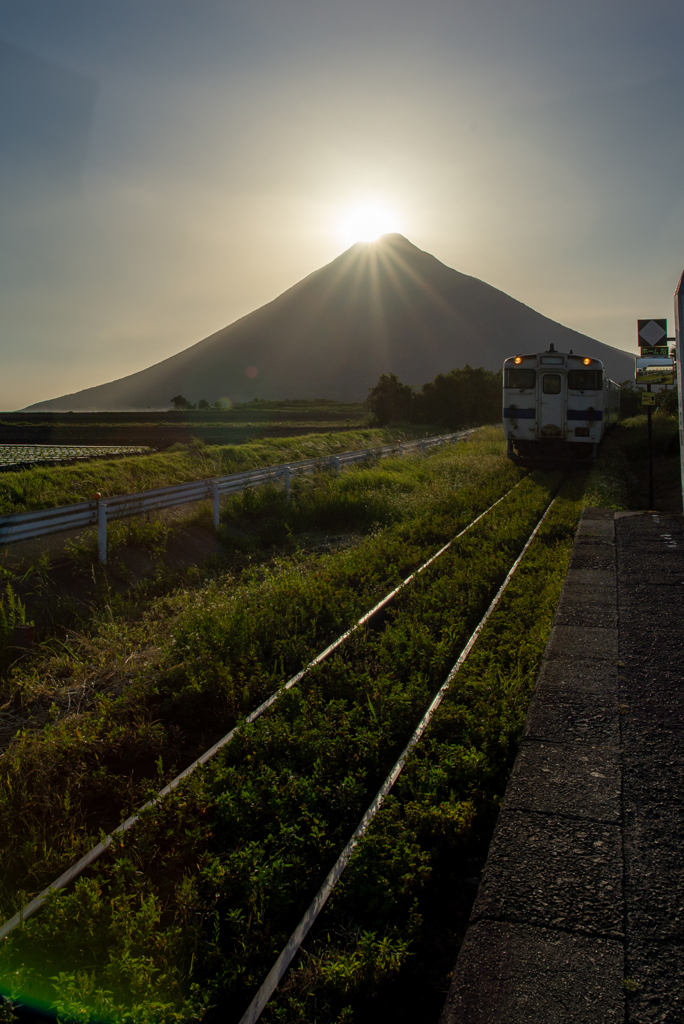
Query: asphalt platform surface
x=580 y=913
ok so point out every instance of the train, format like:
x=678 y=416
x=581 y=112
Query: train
x=557 y=407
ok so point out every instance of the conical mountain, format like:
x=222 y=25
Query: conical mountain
x=382 y=307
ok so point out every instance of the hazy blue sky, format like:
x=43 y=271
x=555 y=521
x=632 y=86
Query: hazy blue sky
x=166 y=167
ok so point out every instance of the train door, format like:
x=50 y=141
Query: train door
x=551 y=419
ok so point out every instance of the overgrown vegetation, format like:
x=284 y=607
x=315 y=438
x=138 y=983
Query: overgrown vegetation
x=46 y=487
x=666 y=400
x=184 y=918
x=12 y=614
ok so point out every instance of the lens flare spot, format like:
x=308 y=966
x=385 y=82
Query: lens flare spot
x=251 y=372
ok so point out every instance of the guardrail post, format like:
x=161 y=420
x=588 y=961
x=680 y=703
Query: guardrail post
x=215 y=502
x=102 y=532
x=286 y=474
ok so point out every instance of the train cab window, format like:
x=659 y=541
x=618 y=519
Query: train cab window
x=585 y=380
x=523 y=379
x=551 y=384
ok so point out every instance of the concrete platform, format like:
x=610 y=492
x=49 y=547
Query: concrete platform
x=579 y=918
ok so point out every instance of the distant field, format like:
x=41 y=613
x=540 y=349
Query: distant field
x=162 y=429
x=23 y=454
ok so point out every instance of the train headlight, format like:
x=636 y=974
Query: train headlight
x=518 y=359
x=586 y=361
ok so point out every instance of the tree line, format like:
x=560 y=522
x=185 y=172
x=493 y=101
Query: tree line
x=461 y=397
x=182 y=404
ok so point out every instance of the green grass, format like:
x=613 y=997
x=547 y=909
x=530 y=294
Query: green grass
x=619 y=478
x=160 y=677
x=50 y=486
x=196 y=902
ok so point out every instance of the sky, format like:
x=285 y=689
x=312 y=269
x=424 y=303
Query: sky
x=167 y=166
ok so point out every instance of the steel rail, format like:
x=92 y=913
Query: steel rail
x=272 y=980
x=96 y=852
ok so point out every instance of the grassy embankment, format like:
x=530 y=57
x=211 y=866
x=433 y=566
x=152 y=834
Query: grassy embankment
x=197 y=901
x=49 y=486
x=159 y=547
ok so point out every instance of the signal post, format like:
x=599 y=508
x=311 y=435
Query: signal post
x=654 y=365
x=679 y=329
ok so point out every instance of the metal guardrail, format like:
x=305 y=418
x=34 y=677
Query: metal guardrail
x=29 y=525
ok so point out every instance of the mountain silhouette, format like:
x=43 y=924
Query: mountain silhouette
x=380 y=307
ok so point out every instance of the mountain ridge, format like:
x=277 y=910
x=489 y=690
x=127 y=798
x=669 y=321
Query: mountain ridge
x=384 y=307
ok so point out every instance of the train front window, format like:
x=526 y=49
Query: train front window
x=552 y=384
x=522 y=379
x=585 y=380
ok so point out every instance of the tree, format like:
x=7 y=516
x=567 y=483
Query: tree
x=460 y=397
x=181 y=403
x=203 y=404
x=390 y=400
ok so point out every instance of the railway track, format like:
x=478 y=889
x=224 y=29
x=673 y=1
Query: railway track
x=77 y=869
x=356 y=631
x=275 y=975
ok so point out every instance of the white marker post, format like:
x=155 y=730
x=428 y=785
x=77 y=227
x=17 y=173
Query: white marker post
x=679 y=342
x=215 y=503
x=102 y=532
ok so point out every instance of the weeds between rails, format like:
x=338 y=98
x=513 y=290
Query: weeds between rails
x=76 y=869
x=277 y=805
x=119 y=699
x=135 y=950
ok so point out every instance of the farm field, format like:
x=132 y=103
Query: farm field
x=159 y=430
x=185 y=916
x=13 y=455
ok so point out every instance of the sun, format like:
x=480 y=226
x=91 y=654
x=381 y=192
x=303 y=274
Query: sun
x=366 y=221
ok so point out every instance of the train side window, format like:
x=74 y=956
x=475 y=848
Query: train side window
x=585 y=380
x=552 y=384
x=522 y=379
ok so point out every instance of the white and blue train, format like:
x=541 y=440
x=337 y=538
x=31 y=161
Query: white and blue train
x=557 y=406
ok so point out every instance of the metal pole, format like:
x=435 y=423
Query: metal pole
x=286 y=473
x=650 y=453
x=215 y=502
x=102 y=532
x=679 y=342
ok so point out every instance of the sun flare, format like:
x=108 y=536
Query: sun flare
x=364 y=222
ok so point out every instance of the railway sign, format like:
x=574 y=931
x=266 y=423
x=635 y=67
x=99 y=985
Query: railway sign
x=648 y=397
x=654 y=370
x=651 y=333
x=662 y=351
